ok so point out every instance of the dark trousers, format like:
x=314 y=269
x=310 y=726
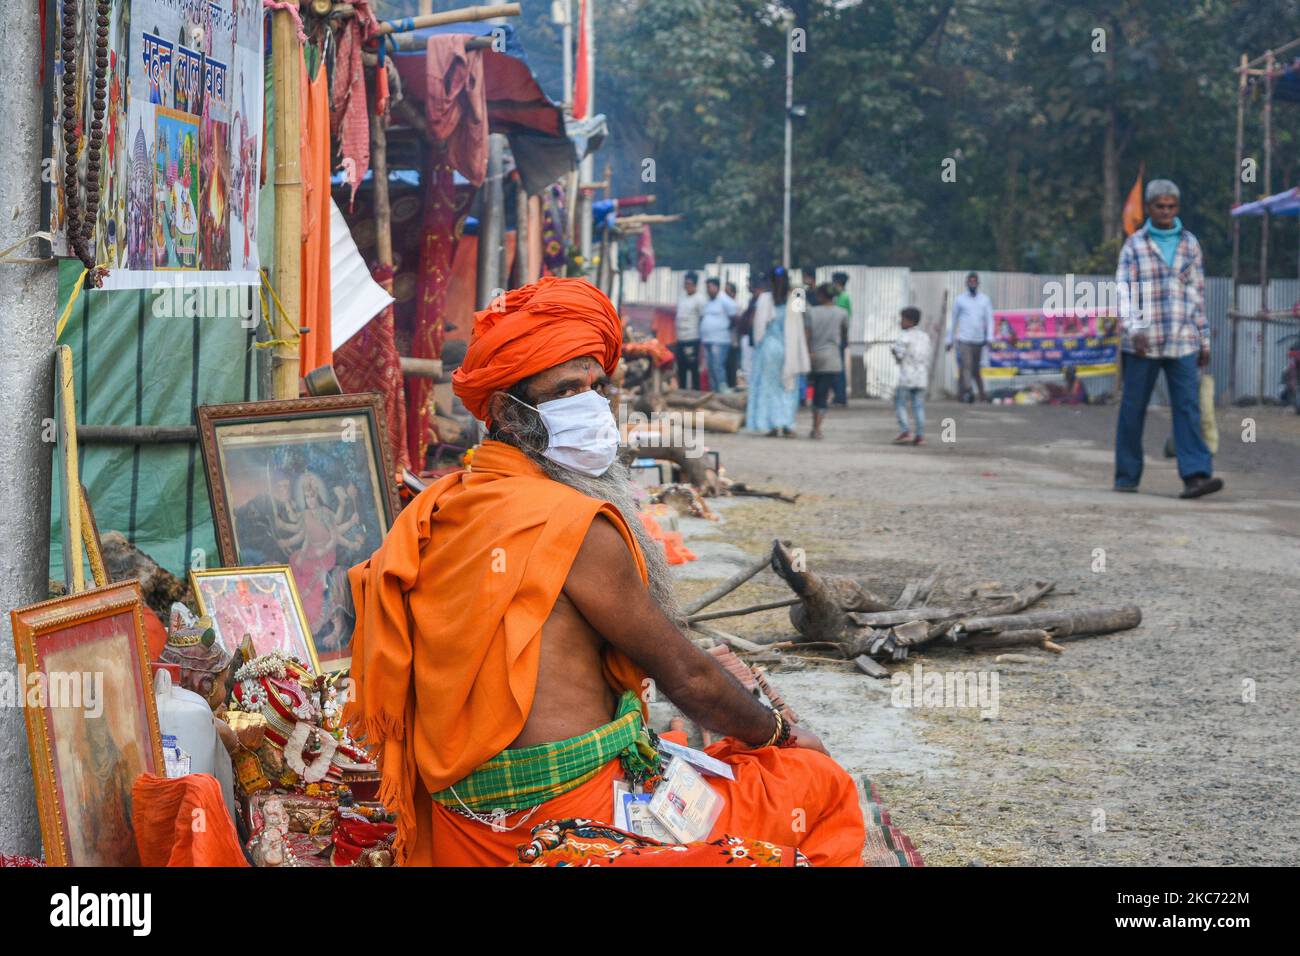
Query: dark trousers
x=1182 y=380
x=733 y=364
x=840 y=393
x=968 y=365
x=688 y=363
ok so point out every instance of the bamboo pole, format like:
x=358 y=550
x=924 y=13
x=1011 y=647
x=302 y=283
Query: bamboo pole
x=74 y=574
x=463 y=15
x=383 y=212
x=1267 y=57
x=286 y=66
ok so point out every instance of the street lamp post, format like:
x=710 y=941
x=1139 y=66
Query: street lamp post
x=789 y=136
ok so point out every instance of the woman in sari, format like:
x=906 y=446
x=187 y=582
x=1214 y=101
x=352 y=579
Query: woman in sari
x=777 y=361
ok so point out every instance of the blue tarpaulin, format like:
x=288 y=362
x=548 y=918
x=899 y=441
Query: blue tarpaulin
x=1286 y=203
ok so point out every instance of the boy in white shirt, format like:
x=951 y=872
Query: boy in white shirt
x=912 y=353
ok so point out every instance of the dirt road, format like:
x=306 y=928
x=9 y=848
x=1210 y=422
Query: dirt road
x=1177 y=742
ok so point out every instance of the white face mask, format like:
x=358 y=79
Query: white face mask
x=582 y=432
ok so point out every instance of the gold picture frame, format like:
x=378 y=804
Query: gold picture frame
x=249 y=602
x=83 y=765
x=308 y=482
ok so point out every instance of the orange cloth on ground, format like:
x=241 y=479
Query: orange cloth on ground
x=155 y=633
x=543 y=324
x=165 y=813
x=315 y=347
x=449 y=620
x=788 y=796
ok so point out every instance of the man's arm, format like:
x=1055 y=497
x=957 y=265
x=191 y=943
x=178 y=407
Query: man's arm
x=988 y=321
x=606 y=588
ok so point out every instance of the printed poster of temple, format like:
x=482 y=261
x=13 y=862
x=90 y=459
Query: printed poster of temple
x=179 y=181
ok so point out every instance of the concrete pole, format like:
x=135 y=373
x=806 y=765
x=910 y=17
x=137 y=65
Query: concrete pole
x=27 y=381
x=564 y=8
x=587 y=173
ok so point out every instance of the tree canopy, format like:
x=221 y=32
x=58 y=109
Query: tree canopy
x=1040 y=112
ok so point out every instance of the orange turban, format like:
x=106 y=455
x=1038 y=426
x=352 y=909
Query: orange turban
x=542 y=325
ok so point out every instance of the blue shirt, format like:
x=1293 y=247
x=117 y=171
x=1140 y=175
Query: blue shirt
x=715 y=322
x=972 y=318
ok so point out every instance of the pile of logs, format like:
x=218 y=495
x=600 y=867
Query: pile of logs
x=840 y=616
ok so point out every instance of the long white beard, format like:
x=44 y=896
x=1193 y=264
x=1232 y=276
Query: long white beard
x=615 y=486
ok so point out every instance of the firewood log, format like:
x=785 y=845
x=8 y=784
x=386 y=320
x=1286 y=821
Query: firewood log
x=1030 y=637
x=1064 y=623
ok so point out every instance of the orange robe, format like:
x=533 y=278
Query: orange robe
x=445 y=657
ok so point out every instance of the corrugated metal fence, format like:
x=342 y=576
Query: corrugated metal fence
x=878 y=293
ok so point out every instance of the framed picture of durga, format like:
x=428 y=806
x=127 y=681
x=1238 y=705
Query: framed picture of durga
x=307 y=483
x=92 y=724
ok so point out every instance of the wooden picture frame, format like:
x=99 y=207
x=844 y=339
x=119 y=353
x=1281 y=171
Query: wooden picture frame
x=307 y=482
x=85 y=763
x=272 y=604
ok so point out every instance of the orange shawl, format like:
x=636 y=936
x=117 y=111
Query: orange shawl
x=449 y=615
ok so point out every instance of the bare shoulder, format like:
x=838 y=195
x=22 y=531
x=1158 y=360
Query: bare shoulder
x=604 y=549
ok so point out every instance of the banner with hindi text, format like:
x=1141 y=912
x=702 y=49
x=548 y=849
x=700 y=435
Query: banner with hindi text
x=179 y=165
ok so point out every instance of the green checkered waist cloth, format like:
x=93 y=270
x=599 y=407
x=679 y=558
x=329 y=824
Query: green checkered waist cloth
x=528 y=776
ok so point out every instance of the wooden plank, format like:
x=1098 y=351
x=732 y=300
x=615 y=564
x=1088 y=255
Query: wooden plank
x=870 y=667
x=65 y=411
x=463 y=15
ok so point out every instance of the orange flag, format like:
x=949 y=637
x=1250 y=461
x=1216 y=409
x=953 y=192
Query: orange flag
x=1134 y=215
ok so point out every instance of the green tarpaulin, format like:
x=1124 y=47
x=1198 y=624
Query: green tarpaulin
x=137 y=365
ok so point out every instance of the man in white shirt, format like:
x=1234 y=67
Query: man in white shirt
x=971 y=329
x=690 y=310
x=715 y=333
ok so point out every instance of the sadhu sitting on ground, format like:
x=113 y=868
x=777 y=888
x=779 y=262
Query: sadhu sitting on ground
x=515 y=614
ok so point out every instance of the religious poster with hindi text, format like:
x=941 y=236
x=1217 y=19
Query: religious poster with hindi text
x=179 y=166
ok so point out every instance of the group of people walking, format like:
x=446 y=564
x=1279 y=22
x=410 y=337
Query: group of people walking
x=790 y=337
x=787 y=338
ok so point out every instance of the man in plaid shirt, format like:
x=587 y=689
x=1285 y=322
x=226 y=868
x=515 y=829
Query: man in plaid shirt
x=1161 y=277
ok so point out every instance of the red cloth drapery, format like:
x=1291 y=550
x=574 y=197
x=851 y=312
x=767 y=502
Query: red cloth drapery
x=437 y=244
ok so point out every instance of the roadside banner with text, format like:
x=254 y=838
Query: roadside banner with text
x=1033 y=342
